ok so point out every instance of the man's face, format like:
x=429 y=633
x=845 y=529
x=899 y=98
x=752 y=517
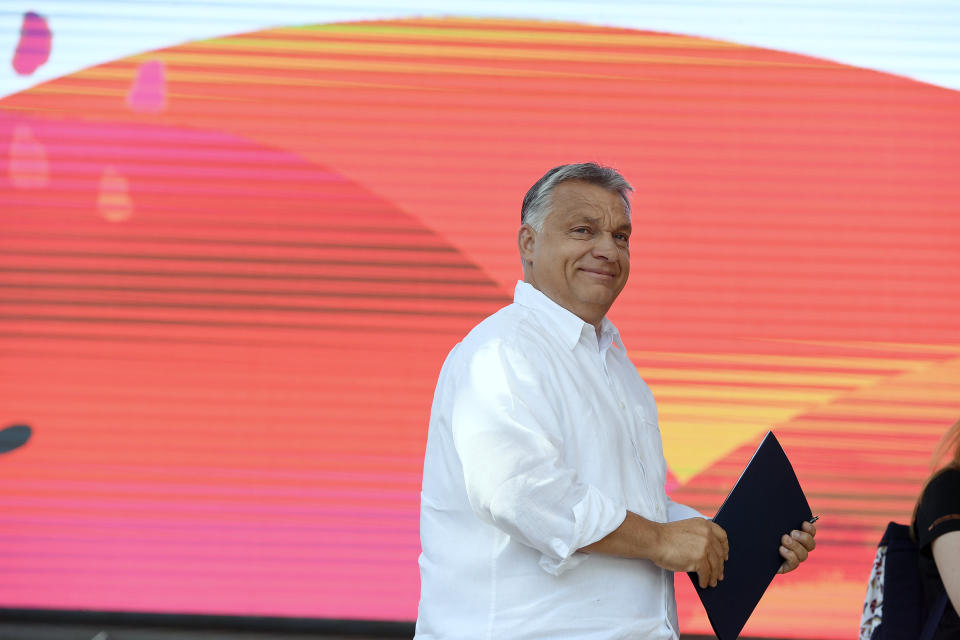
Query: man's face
x=581 y=257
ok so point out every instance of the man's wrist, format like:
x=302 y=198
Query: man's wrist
x=637 y=537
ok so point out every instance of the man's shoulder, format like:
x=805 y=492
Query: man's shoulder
x=512 y=326
x=514 y=332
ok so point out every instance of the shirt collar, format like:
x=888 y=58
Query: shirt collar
x=569 y=327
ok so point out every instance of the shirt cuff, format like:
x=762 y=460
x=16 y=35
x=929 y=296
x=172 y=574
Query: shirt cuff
x=594 y=517
x=677 y=511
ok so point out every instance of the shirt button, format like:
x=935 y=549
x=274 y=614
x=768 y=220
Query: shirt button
x=622 y=406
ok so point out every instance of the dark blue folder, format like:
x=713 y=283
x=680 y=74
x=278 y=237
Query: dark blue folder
x=766 y=503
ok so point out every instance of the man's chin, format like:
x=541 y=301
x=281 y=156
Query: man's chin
x=602 y=292
x=599 y=304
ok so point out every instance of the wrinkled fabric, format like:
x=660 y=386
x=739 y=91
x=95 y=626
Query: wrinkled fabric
x=541 y=437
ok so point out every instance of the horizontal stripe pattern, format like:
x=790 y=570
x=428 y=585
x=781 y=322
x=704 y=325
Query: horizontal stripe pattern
x=225 y=298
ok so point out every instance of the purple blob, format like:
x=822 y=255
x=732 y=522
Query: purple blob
x=36 y=40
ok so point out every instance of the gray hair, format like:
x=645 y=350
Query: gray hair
x=536 y=204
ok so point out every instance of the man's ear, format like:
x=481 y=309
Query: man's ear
x=526 y=242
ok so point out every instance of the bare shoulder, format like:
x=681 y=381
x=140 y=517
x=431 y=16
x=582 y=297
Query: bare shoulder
x=947 y=547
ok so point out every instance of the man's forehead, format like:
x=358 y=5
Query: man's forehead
x=578 y=199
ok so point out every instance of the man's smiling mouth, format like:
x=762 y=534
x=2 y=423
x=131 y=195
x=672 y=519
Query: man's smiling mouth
x=598 y=273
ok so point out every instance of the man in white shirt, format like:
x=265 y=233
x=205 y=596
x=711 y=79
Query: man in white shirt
x=543 y=510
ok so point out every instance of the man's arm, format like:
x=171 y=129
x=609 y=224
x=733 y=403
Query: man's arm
x=695 y=544
x=506 y=431
x=700 y=545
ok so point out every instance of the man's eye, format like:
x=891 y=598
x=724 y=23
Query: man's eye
x=622 y=237
x=582 y=230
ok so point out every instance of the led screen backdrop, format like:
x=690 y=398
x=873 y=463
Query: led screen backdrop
x=232 y=267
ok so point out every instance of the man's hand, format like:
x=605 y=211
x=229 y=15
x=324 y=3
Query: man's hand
x=685 y=545
x=695 y=544
x=796 y=546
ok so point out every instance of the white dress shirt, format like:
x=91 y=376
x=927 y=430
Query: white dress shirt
x=541 y=437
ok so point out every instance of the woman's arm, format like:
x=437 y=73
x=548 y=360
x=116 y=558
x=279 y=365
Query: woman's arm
x=946 y=553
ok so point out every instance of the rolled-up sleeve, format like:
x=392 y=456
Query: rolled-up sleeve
x=506 y=432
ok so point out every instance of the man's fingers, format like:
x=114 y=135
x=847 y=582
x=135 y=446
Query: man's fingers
x=710 y=575
x=790 y=561
x=720 y=549
x=725 y=547
x=719 y=532
x=803 y=544
x=794 y=543
x=716 y=568
x=714 y=564
x=795 y=547
x=705 y=573
x=722 y=537
x=805 y=538
x=707 y=569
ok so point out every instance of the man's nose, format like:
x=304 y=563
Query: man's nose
x=605 y=246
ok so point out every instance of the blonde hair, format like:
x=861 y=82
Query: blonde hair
x=946 y=455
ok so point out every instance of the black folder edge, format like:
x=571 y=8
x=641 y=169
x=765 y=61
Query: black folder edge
x=731 y=603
